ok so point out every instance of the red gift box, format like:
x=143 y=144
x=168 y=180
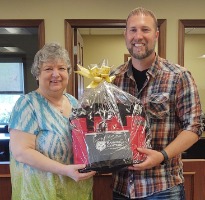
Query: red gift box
x=108 y=125
x=137 y=135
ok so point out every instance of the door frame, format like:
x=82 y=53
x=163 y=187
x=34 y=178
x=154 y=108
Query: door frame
x=70 y=24
x=182 y=24
x=27 y=23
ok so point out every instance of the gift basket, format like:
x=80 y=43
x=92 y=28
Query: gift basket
x=108 y=125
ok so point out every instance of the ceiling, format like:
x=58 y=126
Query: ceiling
x=86 y=31
x=83 y=31
x=194 y=30
x=17 y=31
x=10 y=38
x=120 y=31
x=101 y=31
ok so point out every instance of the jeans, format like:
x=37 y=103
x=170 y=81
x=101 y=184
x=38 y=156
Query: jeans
x=175 y=193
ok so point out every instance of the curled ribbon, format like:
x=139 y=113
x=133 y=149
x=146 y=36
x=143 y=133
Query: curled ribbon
x=96 y=74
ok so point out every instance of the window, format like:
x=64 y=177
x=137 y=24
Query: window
x=11 y=87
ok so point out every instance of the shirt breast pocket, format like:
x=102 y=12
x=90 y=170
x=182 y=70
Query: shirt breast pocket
x=158 y=105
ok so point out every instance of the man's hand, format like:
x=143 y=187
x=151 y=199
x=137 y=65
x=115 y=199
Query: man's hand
x=153 y=158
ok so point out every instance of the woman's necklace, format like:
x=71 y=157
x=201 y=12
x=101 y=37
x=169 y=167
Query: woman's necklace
x=60 y=108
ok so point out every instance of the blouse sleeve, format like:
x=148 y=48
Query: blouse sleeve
x=72 y=99
x=23 y=116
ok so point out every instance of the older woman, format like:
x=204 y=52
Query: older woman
x=40 y=140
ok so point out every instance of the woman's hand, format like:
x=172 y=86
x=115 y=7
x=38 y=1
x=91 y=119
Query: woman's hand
x=22 y=146
x=153 y=158
x=73 y=172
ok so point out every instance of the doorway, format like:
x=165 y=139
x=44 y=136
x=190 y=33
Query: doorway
x=73 y=24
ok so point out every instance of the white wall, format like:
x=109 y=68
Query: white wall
x=54 y=12
x=99 y=47
x=194 y=48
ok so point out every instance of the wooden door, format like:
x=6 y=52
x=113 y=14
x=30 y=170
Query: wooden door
x=78 y=59
x=5 y=181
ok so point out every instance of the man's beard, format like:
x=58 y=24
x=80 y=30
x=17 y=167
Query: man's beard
x=140 y=56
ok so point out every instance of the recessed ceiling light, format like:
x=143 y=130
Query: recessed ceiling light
x=12 y=30
x=203 y=56
x=11 y=50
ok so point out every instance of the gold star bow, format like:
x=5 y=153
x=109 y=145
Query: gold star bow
x=96 y=74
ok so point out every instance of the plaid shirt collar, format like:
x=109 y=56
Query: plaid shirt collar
x=153 y=70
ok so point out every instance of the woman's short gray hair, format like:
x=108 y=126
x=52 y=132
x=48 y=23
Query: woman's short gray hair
x=49 y=52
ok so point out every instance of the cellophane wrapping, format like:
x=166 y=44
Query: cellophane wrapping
x=108 y=126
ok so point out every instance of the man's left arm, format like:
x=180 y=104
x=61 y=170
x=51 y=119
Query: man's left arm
x=181 y=143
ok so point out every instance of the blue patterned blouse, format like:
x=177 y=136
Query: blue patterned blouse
x=33 y=114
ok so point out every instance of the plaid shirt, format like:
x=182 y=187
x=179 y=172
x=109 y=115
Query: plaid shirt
x=172 y=104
